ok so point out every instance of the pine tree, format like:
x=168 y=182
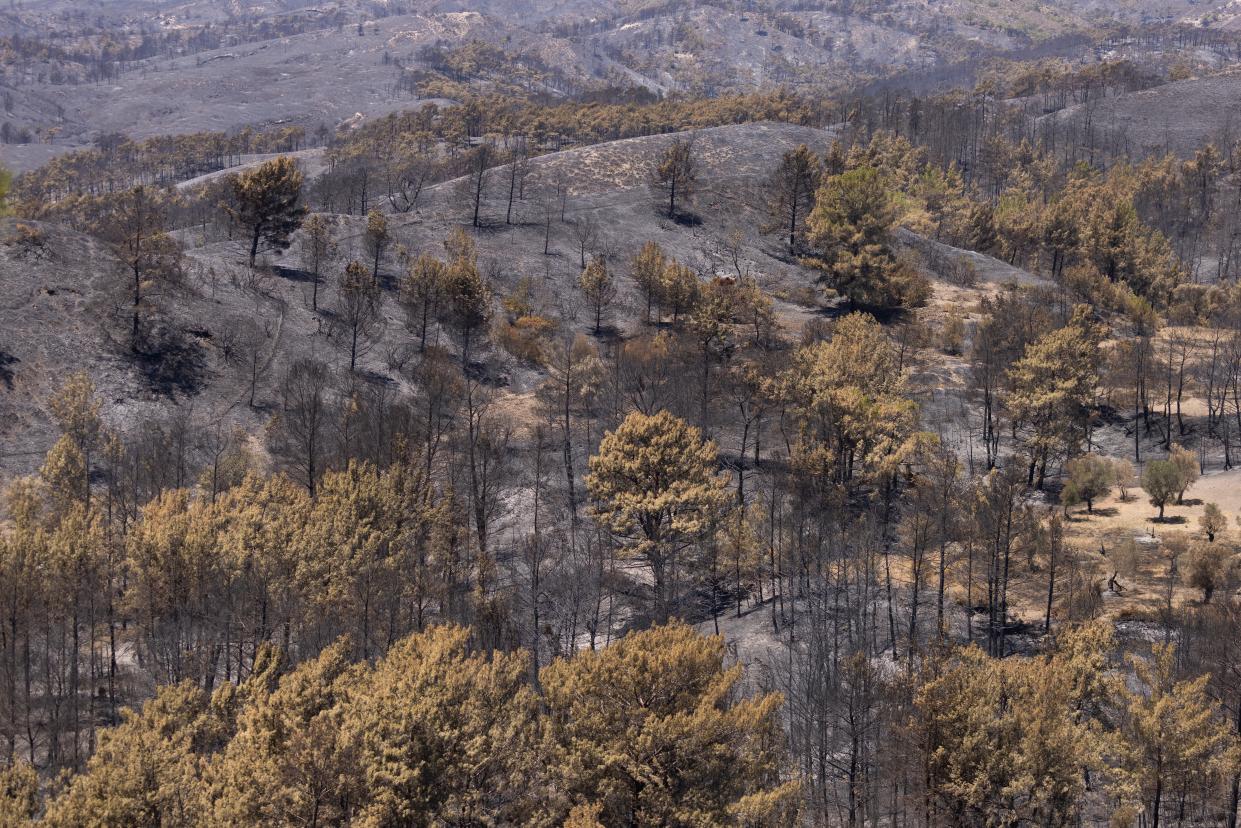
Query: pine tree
x=655 y=487
x=317 y=249
x=1171 y=729
x=466 y=305
x=299 y=434
x=65 y=475
x=792 y=188
x=446 y=736
x=19 y=792
x=422 y=290
x=652 y=729
x=291 y=762
x=357 y=311
x=678 y=289
x=598 y=288
x=378 y=236
x=135 y=226
x=1012 y=740
x=266 y=201
x=146 y=770
x=676 y=174
x=353 y=547
x=848 y=395
x=850 y=230
x=647 y=271
x=1053 y=386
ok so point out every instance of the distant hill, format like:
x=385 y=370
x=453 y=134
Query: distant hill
x=219 y=65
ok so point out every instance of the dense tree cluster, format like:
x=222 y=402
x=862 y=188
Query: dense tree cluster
x=650 y=730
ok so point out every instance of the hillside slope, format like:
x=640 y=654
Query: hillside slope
x=66 y=304
x=68 y=307
x=60 y=295
x=1176 y=117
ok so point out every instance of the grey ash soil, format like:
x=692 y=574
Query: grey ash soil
x=1178 y=117
x=59 y=303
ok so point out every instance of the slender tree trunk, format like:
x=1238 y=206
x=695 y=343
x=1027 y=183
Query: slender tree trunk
x=793 y=222
x=254 y=245
x=939 y=590
x=1051 y=590
x=1234 y=788
x=138 y=304
x=1156 y=805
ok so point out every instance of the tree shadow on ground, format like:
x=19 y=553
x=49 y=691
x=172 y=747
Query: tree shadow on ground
x=6 y=371
x=171 y=360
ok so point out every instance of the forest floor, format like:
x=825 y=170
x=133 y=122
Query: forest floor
x=1116 y=519
x=1096 y=542
x=755 y=640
